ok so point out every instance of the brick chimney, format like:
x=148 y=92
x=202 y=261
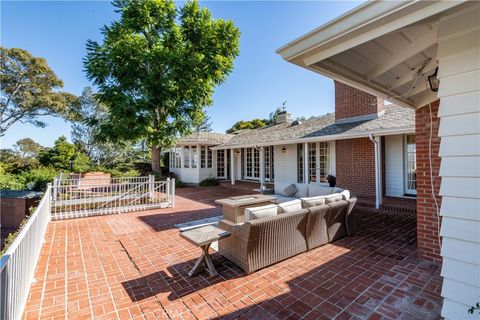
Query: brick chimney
x=355 y=105
x=283 y=116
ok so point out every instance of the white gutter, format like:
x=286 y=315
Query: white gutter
x=383 y=132
x=378 y=170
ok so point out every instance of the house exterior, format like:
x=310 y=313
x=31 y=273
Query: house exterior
x=370 y=148
x=424 y=55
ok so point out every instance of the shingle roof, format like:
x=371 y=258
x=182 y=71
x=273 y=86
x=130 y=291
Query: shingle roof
x=394 y=117
x=210 y=138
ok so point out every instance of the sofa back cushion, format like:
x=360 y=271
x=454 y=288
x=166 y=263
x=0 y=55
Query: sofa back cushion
x=335 y=219
x=316 y=189
x=333 y=198
x=312 y=201
x=273 y=239
x=317 y=233
x=290 y=206
x=269 y=210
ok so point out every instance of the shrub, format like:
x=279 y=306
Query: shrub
x=37 y=179
x=209 y=182
x=11 y=182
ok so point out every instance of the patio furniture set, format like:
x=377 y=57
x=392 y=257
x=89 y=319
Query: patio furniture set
x=260 y=230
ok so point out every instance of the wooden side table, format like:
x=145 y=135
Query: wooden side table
x=203 y=237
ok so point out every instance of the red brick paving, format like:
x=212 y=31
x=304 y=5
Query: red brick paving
x=134 y=266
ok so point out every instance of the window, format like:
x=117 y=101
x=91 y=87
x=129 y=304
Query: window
x=209 y=157
x=410 y=165
x=318 y=161
x=221 y=164
x=186 y=157
x=312 y=162
x=269 y=170
x=300 y=163
x=256 y=163
x=193 y=150
x=249 y=163
x=203 y=155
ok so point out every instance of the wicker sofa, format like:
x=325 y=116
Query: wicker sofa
x=262 y=242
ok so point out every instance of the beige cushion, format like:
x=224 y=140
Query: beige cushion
x=315 y=189
x=290 y=206
x=290 y=190
x=260 y=212
x=313 y=201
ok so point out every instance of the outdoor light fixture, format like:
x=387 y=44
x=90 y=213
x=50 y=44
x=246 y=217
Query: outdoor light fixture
x=284 y=149
x=433 y=81
x=237 y=152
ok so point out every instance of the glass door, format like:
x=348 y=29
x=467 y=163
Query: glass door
x=410 y=165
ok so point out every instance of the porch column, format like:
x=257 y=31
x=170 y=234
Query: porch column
x=378 y=170
x=262 y=167
x=305 y=162
x=199 y=160
x=232 y=165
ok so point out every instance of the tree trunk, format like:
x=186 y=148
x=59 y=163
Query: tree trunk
x=156 y=159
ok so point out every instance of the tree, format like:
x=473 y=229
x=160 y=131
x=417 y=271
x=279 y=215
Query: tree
x=62 y=155
x=29 y=90
x=27 y=148
x=204 y=126
x=251 y=124
x=272 y=118
x=156 y=70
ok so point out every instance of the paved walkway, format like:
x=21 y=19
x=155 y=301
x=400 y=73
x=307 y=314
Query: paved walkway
x=134 y=266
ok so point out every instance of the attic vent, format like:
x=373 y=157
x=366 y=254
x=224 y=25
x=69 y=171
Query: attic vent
x=295 y=123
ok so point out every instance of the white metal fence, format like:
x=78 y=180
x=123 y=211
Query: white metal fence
x=81 y=197
x=17 y=265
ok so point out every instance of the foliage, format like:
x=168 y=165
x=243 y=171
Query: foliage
x=30 y=90
x=61 y=155
x=242 y=125
x=156 y=70
x=116 y=172
x=209 y=182
x=474 y=308
x=10 y=181
x=204 y=126
x=37 y=179
x=12 y=235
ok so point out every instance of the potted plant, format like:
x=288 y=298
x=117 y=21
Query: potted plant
x=332 y=181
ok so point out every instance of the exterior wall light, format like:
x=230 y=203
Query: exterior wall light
x=284 y=149
x=433 y=81
x=237 y=153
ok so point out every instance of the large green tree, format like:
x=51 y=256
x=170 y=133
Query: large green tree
x=29 y=90
x=157 y=68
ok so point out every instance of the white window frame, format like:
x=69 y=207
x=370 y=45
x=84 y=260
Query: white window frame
x=406 y=168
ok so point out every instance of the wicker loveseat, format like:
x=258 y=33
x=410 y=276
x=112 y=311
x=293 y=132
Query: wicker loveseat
x=262 y=242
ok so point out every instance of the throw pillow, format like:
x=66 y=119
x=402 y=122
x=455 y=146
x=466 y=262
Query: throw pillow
x=290 y=190
x=260 y=212
x=313 y=201
x=290 y=206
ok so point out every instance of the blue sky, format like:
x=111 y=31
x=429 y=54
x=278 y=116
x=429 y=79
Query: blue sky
x=260 y=81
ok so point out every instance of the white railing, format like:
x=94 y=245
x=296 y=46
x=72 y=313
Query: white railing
x=79 y=197
x=17 y=265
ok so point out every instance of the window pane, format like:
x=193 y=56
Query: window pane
x=186 y=157
x=202 y=157
x=209 y=158
x=221 y=163
x=312 y=162
x=300 y=163
x=411 y=164
x=194 y=157
x=324 y=161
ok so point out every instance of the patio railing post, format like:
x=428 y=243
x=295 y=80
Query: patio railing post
x=151 y=185
x=169 y=198
x=173 y=192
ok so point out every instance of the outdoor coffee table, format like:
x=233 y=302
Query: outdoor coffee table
x=203 y=237
x=234 y=207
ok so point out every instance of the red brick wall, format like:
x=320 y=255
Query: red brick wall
x=355 y=161
x=427 y=222
x=351 y=102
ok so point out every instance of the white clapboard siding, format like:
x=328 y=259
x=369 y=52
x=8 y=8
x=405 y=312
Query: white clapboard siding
x=459 y=73
x=394 y=172
x=285 y=164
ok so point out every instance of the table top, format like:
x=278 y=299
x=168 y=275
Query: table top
x=241 y=201
x=204 y=235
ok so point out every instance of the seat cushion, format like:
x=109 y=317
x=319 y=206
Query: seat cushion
x=290 y=206
x=260 y=212
x=312 y=201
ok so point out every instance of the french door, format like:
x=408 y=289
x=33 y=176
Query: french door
x=410 y=165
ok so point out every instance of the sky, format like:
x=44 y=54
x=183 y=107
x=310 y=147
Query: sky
x=260 y=81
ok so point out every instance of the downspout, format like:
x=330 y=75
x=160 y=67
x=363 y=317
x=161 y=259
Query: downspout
x=378 y=171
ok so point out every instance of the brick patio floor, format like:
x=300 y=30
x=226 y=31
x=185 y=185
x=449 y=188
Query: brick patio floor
x=134 y=266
